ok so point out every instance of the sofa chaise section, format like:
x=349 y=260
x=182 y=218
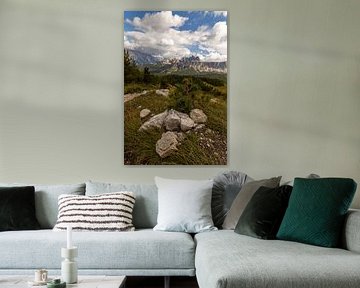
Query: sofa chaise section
x=142 y=253
x=351 y=235
x=225 y=259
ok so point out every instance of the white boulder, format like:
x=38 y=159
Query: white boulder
x=144 y=113
x=198 y=116
x=167 y=144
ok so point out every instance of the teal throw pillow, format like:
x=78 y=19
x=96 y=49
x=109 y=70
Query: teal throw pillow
x=316 y=211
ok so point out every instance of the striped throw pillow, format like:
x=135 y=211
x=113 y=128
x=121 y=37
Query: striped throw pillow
x=105 y=212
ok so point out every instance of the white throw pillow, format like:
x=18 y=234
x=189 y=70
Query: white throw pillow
x=104 y=212
x=184 y=205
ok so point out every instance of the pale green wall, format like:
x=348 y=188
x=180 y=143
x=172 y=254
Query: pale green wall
x=294 y=96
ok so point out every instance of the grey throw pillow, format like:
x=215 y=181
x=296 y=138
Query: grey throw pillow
x=310 y=176
x=184 y=205
x=225 y=189
x=243 y=198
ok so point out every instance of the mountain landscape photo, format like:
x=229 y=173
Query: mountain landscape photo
x=175 y=87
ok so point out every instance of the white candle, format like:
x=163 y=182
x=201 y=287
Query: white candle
x=69 y=237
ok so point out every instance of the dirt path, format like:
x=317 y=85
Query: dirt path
x=131 y=96
x=160 y=92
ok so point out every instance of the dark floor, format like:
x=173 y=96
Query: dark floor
x=158 y=282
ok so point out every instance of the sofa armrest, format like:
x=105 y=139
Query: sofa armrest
x=351 y=234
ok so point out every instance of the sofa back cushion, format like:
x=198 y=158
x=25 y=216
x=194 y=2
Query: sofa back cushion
x=46 y=200
x=146 y=204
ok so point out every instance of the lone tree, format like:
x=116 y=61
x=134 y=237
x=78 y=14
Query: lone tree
x=147 y=76
x=183 y=98
x=131 y=71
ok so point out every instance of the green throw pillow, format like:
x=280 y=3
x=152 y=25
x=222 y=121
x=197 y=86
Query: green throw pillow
x=17 y=209
x=264 y=212
x=316 y=211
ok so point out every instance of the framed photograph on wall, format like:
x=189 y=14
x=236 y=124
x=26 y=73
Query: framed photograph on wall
x=175 y=88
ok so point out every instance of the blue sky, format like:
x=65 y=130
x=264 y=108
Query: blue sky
x=176 y=34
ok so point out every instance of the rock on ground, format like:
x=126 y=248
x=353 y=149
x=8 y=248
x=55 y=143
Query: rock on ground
x=156 y=121
x=199 y=127
x=198 y=116
x=162 y=92
x=144 y=113
x=172 y=121
x=167 y=144
x=186 y=124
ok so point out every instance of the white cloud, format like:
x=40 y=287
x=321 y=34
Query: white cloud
x=158 y=34
x=220 y=13
x=214 y=56
x=160 y=21
x=218 y=38
x=167 y=42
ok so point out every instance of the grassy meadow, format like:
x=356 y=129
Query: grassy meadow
x=186 y=92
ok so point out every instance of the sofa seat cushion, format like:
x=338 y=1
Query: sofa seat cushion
x=225 y=259
x=142 y=249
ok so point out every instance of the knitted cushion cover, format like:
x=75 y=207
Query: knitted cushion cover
x=105 y=212
x=316 y=211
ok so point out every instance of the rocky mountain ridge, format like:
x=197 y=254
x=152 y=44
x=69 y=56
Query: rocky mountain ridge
x=191 y=64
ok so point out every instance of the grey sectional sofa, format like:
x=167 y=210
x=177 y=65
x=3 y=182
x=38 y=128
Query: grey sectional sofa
x=218 y=259
x=226 y=259
x=143 y=252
